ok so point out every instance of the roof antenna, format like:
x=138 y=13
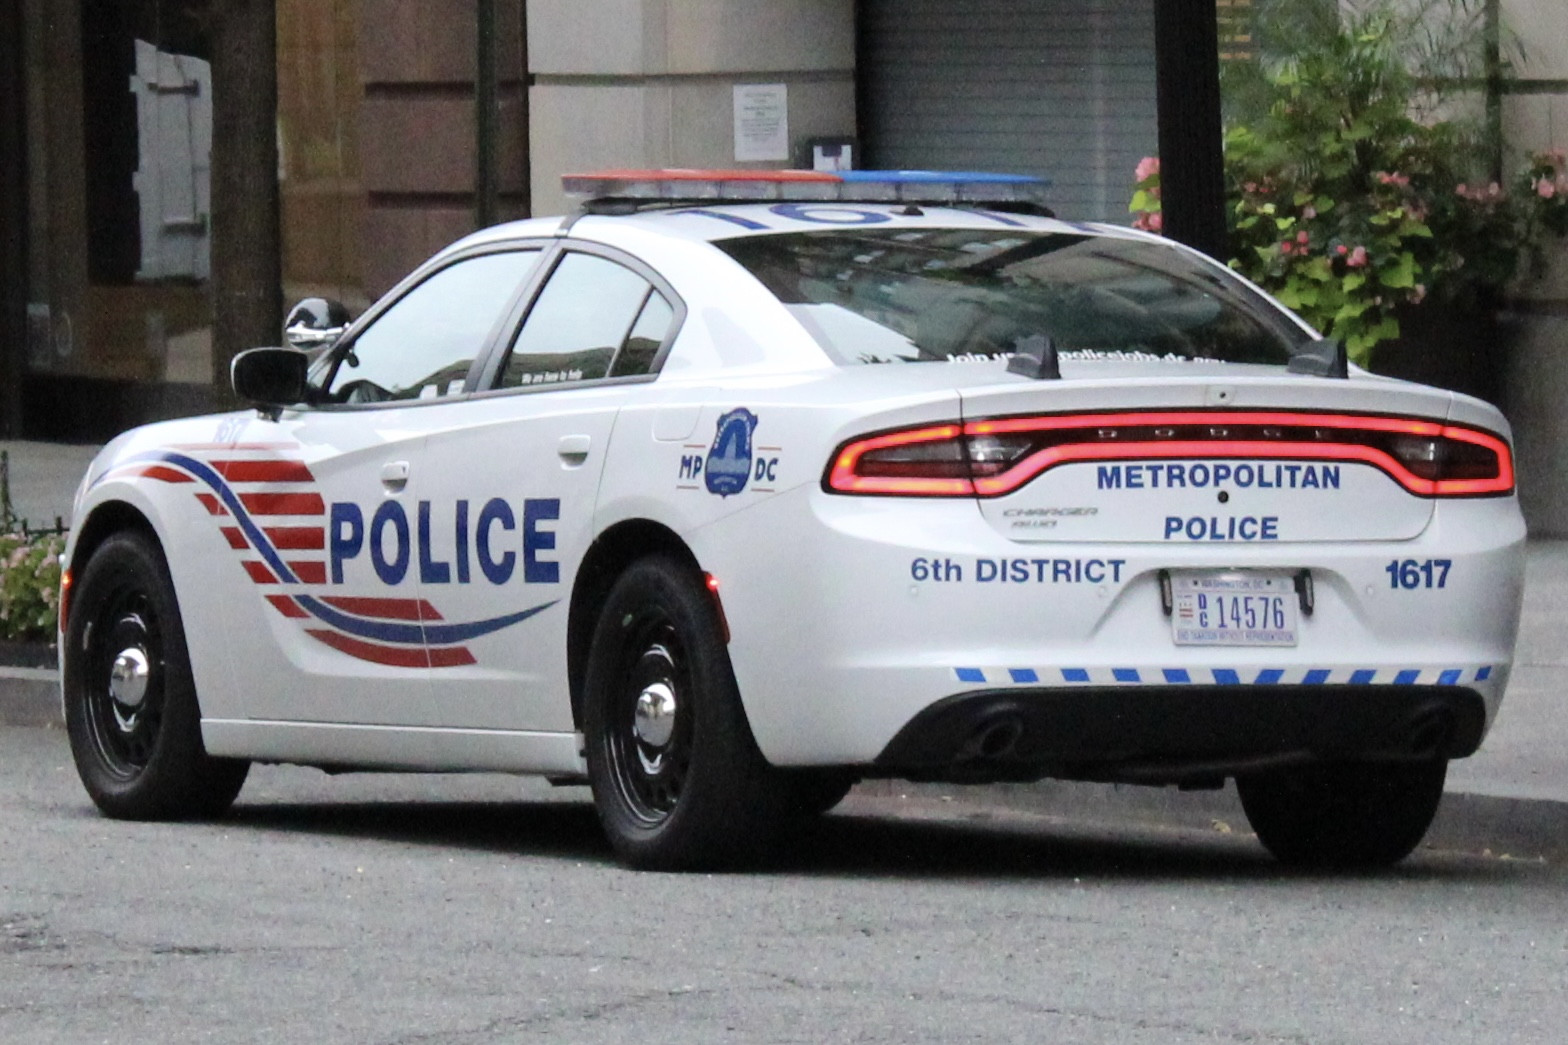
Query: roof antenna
x=1035 y=356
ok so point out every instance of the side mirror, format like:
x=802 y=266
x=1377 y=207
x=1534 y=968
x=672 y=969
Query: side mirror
x=271 y=378
x=315 y=323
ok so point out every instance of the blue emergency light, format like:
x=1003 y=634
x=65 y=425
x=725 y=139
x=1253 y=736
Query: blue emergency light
x=629 y=189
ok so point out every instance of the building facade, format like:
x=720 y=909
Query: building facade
x=402 y=124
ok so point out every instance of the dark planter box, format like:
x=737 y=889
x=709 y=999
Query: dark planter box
x=28 y=654
x=1460 y=348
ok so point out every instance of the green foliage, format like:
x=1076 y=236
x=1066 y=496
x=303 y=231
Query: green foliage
x=1348 y=207
x=29 y=586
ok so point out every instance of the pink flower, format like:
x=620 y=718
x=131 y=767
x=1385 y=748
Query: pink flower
x=1302 y=237
x=1546 y=188
x=1309 y=212
x=1358 y=258
x=1418 y=295
x=1287 y=248
x=1385 y=178
x=1342 y=249
x=1147 y=168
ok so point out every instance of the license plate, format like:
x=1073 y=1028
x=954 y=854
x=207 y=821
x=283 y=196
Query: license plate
x=1233 y=608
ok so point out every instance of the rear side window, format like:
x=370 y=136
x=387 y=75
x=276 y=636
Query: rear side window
x=594 y=318
x=911 y=295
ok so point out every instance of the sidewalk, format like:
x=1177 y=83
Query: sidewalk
x=1511 y=797
x=44 y=478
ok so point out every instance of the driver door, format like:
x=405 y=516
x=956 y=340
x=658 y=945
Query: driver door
x=337 y=635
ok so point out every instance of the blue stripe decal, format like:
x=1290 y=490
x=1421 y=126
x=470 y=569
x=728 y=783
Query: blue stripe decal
x=413 y=633
x=1384 y=676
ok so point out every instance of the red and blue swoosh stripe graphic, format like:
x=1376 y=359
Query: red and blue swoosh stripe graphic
x=267 y=505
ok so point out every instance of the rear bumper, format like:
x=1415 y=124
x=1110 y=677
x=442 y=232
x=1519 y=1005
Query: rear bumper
x=852 y=618
x=1178 y=734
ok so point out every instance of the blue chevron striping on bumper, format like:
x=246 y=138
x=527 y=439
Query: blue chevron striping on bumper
x=1066 y=677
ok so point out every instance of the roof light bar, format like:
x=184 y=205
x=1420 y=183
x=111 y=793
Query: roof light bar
x=678 y=185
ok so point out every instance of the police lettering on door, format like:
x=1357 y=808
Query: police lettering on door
x=490 y=541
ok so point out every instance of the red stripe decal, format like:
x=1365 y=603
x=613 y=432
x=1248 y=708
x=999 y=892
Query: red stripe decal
x=451 y=657
x=393 y=656
x=212 y=504
x=287 y=606
x=163 y=473
x=296 y=538
x=264 y=471
x=235 y=538
x=234 y=446
x=310 y=572
x=283 y=503
x=259 y=572
x=381 y=609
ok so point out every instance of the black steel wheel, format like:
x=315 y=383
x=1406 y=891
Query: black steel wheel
x=130 y=702
x=1348 y=816
x=677 y=778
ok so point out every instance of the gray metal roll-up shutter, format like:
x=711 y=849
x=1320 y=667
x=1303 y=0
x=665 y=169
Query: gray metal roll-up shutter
x=1059 y=88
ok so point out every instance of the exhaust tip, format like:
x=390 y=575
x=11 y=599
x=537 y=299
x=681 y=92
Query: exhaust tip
x=995 y=739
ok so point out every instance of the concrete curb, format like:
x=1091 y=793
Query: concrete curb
x=1512 y=828
x=30 y=697
x=1516 y=828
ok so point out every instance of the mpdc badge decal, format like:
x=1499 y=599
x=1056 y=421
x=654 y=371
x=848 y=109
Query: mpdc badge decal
x=729 y=460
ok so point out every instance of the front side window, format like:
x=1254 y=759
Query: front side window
x=911 y=295
x=423 y=346
x=594 y=318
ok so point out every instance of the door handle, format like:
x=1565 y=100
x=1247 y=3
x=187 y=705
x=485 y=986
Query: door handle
x=573 y=449
x=394 y=475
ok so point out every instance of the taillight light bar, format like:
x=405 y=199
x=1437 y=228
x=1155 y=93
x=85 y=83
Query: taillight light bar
x=993 y=457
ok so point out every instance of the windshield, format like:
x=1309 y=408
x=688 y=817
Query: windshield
x=911 y=295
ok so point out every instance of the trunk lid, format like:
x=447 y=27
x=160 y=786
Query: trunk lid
x=1208 y=455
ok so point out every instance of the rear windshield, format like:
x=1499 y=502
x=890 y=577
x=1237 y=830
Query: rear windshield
x=911 y=295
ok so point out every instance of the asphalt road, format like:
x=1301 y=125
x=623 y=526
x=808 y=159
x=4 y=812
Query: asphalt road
x=374 y=909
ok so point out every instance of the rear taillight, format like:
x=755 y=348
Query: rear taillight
x=994 y=457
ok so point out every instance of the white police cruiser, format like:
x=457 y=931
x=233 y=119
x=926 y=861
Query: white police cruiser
x=735 y=488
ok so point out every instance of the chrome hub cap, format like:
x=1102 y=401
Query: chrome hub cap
x=128 y=677
x=654 y=719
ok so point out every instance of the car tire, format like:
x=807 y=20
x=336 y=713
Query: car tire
x=130 y=701
x=1347 y=816
x=678 y=780
x=813 y=792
